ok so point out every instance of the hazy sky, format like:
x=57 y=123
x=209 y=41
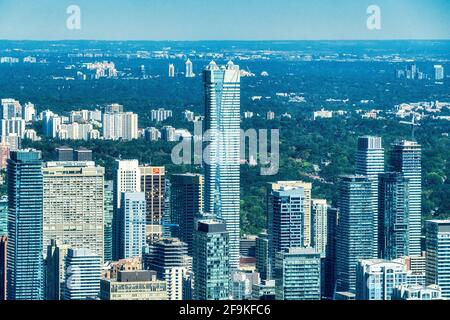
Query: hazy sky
x=224 y=19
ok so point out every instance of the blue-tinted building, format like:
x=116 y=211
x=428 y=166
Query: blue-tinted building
x=133 y=223
x=355 y=236
x=211 y=261
x=370 y=163
x=82 y=275
x=406 y=158
x=4 y=216
x=222 y=156
x=25 y=218
x=108 y=228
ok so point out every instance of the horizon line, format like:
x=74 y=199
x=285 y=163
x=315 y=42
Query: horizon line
x=226 y=40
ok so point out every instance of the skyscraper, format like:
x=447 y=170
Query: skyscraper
x=108 y=221
x=171 y=70
x=120 y=125
x=355 y=229
x=330 y=253
x=4 y=216
x=211 y=263
x=297 y=274
x=25 y=240
x=439 y=72
x=370 y=163
x=82 y=275
x=438 y=254
x=319 y=209
x=189 y=69
x=285 y=219
x=262 y=255
x=168 y=257
x=132 y=224
x=127 y=178
x=153 y=185
x=186 y=201
x=307 y=216
x=74 y=205
x=55 y=270
x=406 y=159
x=222 y=156
x=393 y=215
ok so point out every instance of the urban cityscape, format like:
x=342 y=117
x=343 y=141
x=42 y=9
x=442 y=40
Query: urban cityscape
x=224 y=170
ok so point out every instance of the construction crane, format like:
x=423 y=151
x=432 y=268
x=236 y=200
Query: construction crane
x=413 y=123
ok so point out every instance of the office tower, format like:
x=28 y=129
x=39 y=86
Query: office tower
x=189 y=69
x=168 y=257
x=265 y=290
x=25 y=216
x=370 y=163
x=417 y=292
x=330 y=254
x=393 y=215
x=82 y=275
x=3 y=266
x=132 y=224
x=74 y=205
x=153 y=185
x=319 y=221
x=242 y=283
x=285 y=219
x=438 y=254
x=160 y=114
x=4 y=216
x=262 y=255
x=377 y=278
x=108 y=221
x=127 y=178
x=355 y=229
x=55 y=270
x=297 y=274
x=171 y=70
x=306 y=220
x=222 y=157
x=439 y=72
x=133 y=285
x=211 y=261
x=166 y=220
x=64 y=154
x=120 y=125
x=186 y=201
x=82 y=155
x=406 y=159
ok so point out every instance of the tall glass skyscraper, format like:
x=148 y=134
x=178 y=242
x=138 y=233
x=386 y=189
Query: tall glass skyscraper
x=4 y=216
x=355 y=229
x=370 y=163
x=132 y=226
x=108 y=228
x=406 y=159
x=393 y=215
x=25 y=216
x=222 y=156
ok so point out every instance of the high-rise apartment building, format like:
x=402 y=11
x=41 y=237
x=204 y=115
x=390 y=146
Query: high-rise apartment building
x=355 y=236
x=222 y=158
x=189 y=69
x=74 y=205
x=127 y=178
x=153 y=182
x=132 y=224
x=285 y=219
x=406 y=159
x=108 y=221
x=82 y=275
x=211 y=263
x=120 y=125
x=438 y=255
x=370 y=163
x=171 y=70
x=186 y=202
x=393 y=240
x=319 y=230
x=297 y=274
x=262 y=255
x=25 y=215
